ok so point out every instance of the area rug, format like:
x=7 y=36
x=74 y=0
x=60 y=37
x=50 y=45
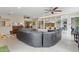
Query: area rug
x=4 y=49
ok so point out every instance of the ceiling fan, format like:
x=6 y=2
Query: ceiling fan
x=53 y=10
x=26 y=17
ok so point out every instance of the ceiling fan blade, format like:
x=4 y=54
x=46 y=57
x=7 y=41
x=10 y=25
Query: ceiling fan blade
x=57 y=11
x=48 y=10
x=55 y=8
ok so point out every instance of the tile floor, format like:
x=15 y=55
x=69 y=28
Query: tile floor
x=64 y=45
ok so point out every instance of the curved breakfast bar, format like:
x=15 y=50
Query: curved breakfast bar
x=38 y=38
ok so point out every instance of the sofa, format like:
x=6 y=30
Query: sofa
x=38 y=38
x=51 y=38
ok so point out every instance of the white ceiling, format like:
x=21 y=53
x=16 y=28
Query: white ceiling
x=33 y=12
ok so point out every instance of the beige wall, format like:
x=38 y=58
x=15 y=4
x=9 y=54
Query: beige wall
x=13 y=19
